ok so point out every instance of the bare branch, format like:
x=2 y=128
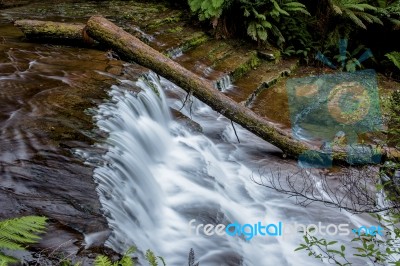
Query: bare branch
x=353 y=189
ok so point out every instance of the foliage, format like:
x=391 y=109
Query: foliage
x=394 y=57
x=18 y=232
x=377 y=250
x=192 y=258
x=207 y=9
x=350 y=61
x=394 y=120
x=261 y=18
x=126 y=259
x=287 y=24
x=357 y=11
x=390 y=11
x=264 y=17
x=14 y=233
x=298 y=40
x=321 y=249
x=152 y=259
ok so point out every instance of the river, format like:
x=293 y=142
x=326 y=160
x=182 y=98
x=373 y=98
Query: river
x=86 y=141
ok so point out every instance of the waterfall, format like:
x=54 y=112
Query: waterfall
x=175 y=52
x=157 y=176
x=224 y=83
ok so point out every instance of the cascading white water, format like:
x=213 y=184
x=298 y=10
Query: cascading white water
x=158 y=175
x=175 y=52
x=224 y=83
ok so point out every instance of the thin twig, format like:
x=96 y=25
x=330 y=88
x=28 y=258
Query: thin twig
x=235 y=131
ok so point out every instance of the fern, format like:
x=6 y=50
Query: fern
x=390 y=10
x=126 y=260
x=264 y=18
x=16 y=233
x=394 y=57
x=153 y=259
x=355 y=10
x=192 y=258
x=102 y=260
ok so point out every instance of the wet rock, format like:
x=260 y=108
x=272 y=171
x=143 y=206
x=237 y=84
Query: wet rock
x=189 y=123
x=45 y=103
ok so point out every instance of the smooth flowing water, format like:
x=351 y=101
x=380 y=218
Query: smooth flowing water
x=159 y=174
x=154 y=172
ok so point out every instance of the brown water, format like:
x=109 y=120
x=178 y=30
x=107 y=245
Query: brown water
x=44 y=92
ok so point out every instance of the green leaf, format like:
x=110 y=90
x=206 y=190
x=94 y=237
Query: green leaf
x=394 y=57
x=334 y=251
x=302 y=246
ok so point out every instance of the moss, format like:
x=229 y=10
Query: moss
x=196 y=40
x=175 y=30
x=159 y=22
x=242 y=69
x=277 y=54
x=46 y=29
x=221 y=51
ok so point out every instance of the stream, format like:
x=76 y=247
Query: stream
x=92 y=143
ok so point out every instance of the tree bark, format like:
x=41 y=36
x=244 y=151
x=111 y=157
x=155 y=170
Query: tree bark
x=54 y=31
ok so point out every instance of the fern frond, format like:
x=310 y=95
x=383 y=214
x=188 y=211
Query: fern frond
x=131 y=250
x=337 y=9
x=8 y=244
x=370 y=18
x=102 y=260
x=394 y=57
x=278 y=34
x=355 y=19
x=357 y=11
x=151 y=258
x=364 y=7
x=192 y=258
x=5 y=260
x=126 y=261
x=278 y=8
x=17 y=232
x=296 y=7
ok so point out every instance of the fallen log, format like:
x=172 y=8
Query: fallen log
x=131 y=48
x=54 y=31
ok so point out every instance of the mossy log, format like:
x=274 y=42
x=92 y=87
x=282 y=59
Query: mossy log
x=131 y=48
x=54 y=31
